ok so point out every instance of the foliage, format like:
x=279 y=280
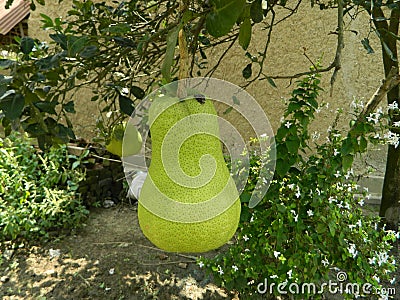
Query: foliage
x=38 y=191
x=120 y=51
x=310 y=223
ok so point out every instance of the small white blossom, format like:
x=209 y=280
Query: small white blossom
x=393 y=106
x=289 y=274
x=310 y=213
x=335 y=152
x=332 y=199
x=318 y=191
x=276 y=254
x=352 y=226
x=288 y=124
x=252 y=219
x=235 y=268
x=396 y=124
x=264 y=4
x=246 y=238
x=111 y=271
x=380 y=110
x=337 y=174
x=201 y=264
x=359 y=223
x=220 y=271
x=325 y=262
x=250 y=282
x=291 y=186
x=361 y=202
x=372 y=260
x=298 y=194
x=352 y=250
x=377 y=279
x=273 y=276
x=393 y=280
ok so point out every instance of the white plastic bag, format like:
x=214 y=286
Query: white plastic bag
x=136 y=184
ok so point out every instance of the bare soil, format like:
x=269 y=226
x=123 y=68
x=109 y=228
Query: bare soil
x=109 y=258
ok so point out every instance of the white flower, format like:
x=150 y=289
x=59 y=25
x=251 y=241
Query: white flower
x=298 y=194
x=315 y=135
x=291 y=186
x=264 y=4
x=235 y=268
x=252 y=219
x=352 y=226
x=318 y=191
x=361 y=202
x=335 y=152
x=398 y=235
x=246 y=238
x=377 y=279
x=310 y=213
x=372 y=260
x=220 y=271
x=393 y=280
x=276 y=254
x=396 y=124
x=332 y=199
x=359 y=223
x=295 y=215
x=273 y=276
x=325 y=262
x=379 y=111
x=340 y=204
x=337 y=174
x=288 y=124
x=289 y=274
x=393 y=106
x=111 y=271
x=352 y=250
x=250 y=282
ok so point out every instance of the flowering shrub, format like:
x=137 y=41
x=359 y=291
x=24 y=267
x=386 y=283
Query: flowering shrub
x=38 y=191
x=310 y=226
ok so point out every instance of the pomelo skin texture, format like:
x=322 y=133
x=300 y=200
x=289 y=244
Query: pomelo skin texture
x=191 y=171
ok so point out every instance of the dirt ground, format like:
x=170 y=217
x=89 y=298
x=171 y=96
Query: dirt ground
x=109 y=258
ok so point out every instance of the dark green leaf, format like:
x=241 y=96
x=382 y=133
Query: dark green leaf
x=169 y=55
x=293 y=144
x=45 y=106
x=247 y=71
x=347 y=161
x=388 y=51
x=245 y=33
x=12 y=105
x=69 y=107
x=89 y=51
x=363 y=144
x=76 y=44
x=282 y=167
x=256 y=11
x=60 y=39
x=223 y=16
x=138 y=92
x=228 y=110
x=126 y=105
x=120 y=28
x=367 y=46
x=27 y=44
x=271 y=81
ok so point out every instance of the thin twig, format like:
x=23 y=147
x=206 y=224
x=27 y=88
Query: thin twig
x=179 y=254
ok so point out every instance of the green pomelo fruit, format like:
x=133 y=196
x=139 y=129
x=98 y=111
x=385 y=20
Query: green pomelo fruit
x=188 y=202
x=125 y=140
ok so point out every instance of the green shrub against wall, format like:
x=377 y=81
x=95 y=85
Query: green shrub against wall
x=38 y=190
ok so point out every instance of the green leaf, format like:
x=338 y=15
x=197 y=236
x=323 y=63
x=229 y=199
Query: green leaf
x=256 y=11
x=138 y=92
x=12 y=105
x=245 y=33
x=45 y=106
x=282 y=167
x=247 y=71
x=293 y=144
x=271 y=81
x=89 y=51
x=367 y=46
x=228 y=110
x=223 y=16
x=347 y=161
x=235 y=100
x=363 y=144
x=60 y=39
x=126 y=105
x=347 y=146
x=332 y=228
x=69 y=107
x=27 y=45
x=388 y=51
x=120 y=28
x=76 y=44
x=6 y=63
x=172 y=39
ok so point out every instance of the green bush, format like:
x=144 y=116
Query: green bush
x=37 y=190
x=309 y=226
